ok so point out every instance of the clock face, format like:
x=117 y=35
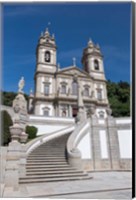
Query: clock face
x=47 y=56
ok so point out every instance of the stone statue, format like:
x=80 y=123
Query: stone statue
x=21 y=84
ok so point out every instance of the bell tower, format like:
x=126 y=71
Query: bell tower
x=92 y=61
x=46 y=53
x=44 y=74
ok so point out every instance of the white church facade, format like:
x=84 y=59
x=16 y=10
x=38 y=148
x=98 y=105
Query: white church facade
x=56 y=89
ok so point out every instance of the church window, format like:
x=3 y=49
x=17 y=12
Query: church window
x=96 y=65
x=46 y=111
x=86 y=91
x=74 y=88
x=46 y=89
x=63 y=89
x=47 y=56
x=99 y=94
x=101 y=114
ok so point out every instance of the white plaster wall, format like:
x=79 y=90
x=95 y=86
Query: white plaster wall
x=125 y=143
x=101 y=121
x=123 y=121
x=85 y=147
x=103 y=144
x=45 y=129
x=42 y=85
x=52 y=119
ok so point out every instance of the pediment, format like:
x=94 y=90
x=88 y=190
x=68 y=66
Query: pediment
x=73 y=71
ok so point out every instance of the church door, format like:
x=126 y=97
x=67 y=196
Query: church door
x=74 y=111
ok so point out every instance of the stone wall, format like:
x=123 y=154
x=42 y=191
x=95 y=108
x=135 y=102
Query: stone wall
x=3 y=155
x=110 y=145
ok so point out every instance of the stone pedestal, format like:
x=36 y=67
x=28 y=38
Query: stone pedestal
x=23 y=137
x=20 y=110
x=12 y=166
x=75 y=158
x=114 y=143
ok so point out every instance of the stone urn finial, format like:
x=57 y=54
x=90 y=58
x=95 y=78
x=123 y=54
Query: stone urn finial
x=23 y=137
x=15 y=131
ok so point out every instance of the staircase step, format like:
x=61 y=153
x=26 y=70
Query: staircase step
x=45 y=163
x=50 y=169
x=44 y=166
x=51 y=148
x=40 y=180
x=53 y=176
x=53 y=172
x=45 y=160
x=48 y=154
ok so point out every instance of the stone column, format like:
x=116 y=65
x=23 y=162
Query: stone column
x=81 y=115
x=70 y=111
x=95 y=143
x=38 y=85
x=113 y=143
x=13 y=157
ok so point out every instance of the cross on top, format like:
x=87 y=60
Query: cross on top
x=74 y=61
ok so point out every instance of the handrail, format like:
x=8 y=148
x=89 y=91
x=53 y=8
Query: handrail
x=46 y=137
x=76 y=137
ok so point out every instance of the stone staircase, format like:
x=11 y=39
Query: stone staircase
x=48 y=162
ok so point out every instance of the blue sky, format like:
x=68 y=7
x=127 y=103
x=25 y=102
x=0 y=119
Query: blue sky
x=107 y=24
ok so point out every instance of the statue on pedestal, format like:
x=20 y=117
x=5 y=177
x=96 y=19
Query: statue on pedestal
x=21 y=84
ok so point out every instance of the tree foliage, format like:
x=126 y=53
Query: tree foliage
x=119 y=98
x=6 y=122
x=31 y=131
x=8 y=97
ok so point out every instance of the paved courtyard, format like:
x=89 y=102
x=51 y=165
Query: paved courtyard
x=104 y=185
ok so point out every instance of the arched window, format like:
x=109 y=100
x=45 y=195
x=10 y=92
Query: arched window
x=47 y=56
x=96 y=65
x=46 y=111
x=99 y=94
x=74 y=88
x=101 y=114
x=63 y=89
x=86 y=91
x=46 y=89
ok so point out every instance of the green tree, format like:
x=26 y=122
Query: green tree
x=8 y=97
x=119 y=98
x=31 y=131
x=6 y=122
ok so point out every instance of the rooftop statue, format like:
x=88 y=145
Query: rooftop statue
x=21 y=84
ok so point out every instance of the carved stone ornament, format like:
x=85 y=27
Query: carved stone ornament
x=109 y=111
x=16 y=108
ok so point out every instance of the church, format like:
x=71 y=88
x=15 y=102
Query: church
x=70 y=109
x=56 y=89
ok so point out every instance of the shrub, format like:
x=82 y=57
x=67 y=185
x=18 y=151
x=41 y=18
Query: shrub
x=6 y=122
x=31 y=131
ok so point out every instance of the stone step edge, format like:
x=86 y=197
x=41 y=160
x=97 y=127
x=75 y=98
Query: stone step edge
x=53 y=176
x=53 y=180
x=50 y=169
x=54 y=172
